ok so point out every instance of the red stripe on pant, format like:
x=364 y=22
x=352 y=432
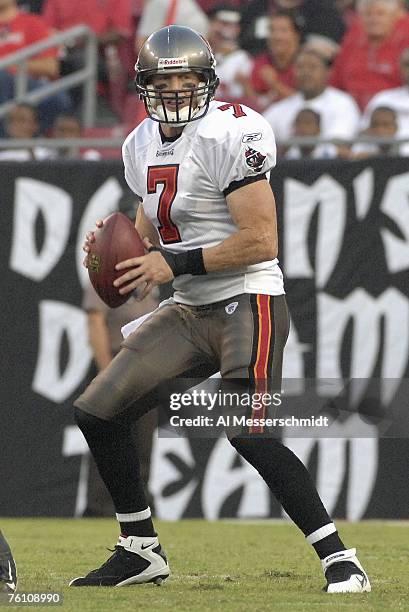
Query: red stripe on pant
x=260 y=369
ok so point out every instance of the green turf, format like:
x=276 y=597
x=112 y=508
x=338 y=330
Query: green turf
x=226 y=566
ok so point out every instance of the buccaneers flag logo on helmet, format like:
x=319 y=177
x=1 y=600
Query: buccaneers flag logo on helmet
x=254 y=159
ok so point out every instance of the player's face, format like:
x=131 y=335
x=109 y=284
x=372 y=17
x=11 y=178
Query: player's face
x=180 y=83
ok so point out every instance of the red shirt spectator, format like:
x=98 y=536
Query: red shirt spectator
x=101 y=16
x=273 y=71
x=368 y=61
x=284 y=75
x=21 y=31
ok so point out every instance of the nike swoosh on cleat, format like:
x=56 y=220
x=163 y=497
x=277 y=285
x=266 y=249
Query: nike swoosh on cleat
x=361 y=579
x=148 y=546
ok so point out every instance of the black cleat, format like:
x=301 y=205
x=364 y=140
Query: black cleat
x=8 y=570
x=136 y=560
x=344 y=573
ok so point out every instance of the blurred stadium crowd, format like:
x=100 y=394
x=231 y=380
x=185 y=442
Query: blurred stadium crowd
x=333 y=69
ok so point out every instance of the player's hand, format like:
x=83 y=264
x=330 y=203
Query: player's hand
x=146 y=271
x=89 y=239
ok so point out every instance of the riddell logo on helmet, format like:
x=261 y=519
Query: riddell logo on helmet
x=172 y=62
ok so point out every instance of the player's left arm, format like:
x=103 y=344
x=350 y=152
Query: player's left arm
x=253 y=210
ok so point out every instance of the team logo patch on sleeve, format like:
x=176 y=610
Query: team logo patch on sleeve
x=254 y=159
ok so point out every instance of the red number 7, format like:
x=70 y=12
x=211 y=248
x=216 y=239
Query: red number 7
x=168 y=177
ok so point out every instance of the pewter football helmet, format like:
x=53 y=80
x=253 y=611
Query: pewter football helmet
x=173 y=50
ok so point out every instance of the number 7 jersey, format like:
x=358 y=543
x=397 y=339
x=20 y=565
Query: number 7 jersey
x=183 y=184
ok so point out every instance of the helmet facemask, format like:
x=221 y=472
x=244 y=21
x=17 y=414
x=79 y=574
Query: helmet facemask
x=195 y=100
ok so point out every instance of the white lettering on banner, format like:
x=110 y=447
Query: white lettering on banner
x=395 y=204
x=364 y=192
x=293 y=361
x=301 y=202
x=221 y=480
x=363 y=459
x=164 y=473
x=104 y=201
x=367 y=314
x=34 y=198
x=73 y=444
x=57 y=319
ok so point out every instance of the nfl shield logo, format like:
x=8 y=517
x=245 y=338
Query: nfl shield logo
x=231 y=307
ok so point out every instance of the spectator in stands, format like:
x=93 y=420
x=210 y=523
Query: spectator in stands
x=67 y=126
x=397 y=99
x=31 y=6
x=339 y=113
x=346 y=8
x=368 y=61
x=17 y=31
x=22 y=122
x=159 y=13
x=273 y=73
x=110 y=20
x=233 y=64
x=383 y=124
x=319 y=18
x=308 y=124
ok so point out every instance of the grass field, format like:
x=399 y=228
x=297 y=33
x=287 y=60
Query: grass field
x=229 y=566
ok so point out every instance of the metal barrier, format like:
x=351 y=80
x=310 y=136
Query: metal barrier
x=112 y=142
x=87 y=76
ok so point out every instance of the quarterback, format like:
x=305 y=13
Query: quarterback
x=200 y=169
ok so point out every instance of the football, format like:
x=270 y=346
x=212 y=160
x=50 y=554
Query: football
x=115 y=241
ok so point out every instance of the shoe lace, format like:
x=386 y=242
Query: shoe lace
x=115 y=552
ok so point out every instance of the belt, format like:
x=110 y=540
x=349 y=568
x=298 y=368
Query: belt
x=212 y=306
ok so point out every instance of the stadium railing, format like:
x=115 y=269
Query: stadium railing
x=87 y=76
x=117 y=141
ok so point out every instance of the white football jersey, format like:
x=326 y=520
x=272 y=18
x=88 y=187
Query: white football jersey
x=182 y=183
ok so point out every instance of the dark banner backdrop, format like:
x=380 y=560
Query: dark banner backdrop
x=344 y=247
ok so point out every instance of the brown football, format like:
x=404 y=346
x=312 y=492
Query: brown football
x=115 y=241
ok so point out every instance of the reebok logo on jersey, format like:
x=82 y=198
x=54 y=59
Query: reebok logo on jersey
x=230 y=308
x=251 y=137
x=164 y=153
x=254 y=159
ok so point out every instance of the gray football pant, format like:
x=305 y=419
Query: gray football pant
x=243 y=337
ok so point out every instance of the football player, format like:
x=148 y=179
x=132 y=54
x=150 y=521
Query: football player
x=8 y=571
x=200 y=168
